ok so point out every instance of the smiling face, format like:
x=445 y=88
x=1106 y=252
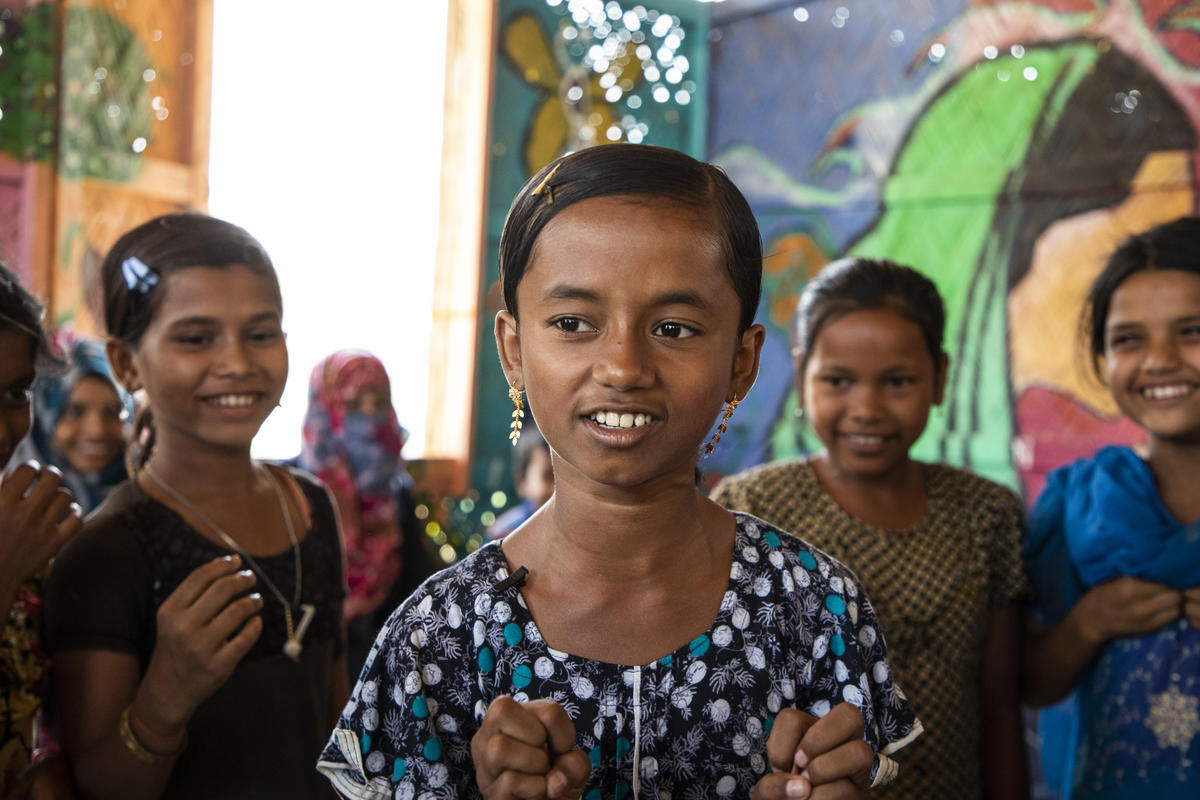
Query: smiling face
x=89 y=432
x=867 y=388
x=213 y=360
x=16 y=383
x=628 y=340
x=1152 y=352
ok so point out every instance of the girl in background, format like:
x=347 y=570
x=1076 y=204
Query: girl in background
x=196 y=622
x=938 y=548
x=632 y=639
x=79 y=426
x=352 y=442
x=1114 y=545
x=533 y=475
x=37 y=516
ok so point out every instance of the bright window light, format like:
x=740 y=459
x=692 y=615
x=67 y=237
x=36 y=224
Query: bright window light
x=326 y=146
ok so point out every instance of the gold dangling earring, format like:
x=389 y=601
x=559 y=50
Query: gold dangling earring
x=518 y=414
x=729 y=407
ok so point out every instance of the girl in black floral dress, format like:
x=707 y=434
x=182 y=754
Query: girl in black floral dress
x=632 y=639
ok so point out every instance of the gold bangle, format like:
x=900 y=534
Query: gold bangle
x=134 y=745
x=131 y=742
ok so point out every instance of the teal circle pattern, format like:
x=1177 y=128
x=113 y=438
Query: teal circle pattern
x=835 y=604
x=522 y=676
x=623 y=748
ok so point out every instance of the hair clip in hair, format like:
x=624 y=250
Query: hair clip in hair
x=138 y=277
x=545 y=187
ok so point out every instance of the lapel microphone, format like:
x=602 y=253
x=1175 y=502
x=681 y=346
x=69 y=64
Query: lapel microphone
x=514 y=581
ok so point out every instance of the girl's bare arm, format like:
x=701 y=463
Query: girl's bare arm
x=120 y=730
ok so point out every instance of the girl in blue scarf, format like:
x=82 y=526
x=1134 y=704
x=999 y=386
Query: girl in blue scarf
x=1114 y=546
x=79 y=425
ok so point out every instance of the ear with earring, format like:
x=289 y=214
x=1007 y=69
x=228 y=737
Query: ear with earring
x=730 y=405
x=518 y=414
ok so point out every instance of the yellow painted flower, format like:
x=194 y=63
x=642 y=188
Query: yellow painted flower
x=573 y=110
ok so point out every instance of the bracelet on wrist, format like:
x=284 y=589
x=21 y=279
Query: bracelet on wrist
x=134 y=745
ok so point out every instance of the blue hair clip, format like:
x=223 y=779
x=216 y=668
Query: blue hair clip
x=138 y=277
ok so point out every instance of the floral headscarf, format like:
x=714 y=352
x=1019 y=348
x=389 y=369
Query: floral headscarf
x=357 y=455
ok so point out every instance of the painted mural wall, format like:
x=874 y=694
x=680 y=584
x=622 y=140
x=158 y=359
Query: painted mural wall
x=1002 y=148
x=104 y=110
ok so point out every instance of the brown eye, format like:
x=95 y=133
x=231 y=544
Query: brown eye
x=73 y=412
x=571 y=325
x=674 y=330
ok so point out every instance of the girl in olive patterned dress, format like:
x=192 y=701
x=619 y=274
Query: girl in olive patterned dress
x=632 y=638
x=938 y=548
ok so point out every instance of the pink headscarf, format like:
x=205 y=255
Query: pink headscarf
x=357 y=455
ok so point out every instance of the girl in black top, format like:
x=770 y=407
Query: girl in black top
x=196 y=622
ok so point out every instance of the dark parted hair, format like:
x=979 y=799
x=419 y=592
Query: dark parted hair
x=635 y=171
x=164 y=245
x=865 y=284
x=135 y=269
x=21 y=311
x=1172 y=245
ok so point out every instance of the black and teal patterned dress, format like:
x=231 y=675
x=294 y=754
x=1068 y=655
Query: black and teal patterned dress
x=794 y=630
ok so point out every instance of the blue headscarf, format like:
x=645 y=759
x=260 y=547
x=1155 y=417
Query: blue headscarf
x=85 y=359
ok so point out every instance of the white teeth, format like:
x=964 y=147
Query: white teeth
x=1167 y=392
x=614 y=419
x=234 y=400
x=866 y=441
